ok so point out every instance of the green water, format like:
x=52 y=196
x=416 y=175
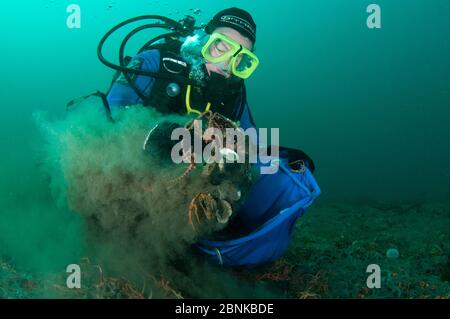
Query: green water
x=371 y=107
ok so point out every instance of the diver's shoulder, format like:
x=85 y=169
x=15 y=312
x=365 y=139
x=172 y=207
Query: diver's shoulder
x=150 y=54
x=163 y=48
x=161 y=51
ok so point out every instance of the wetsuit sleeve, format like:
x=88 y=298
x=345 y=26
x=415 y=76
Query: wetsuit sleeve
x=121 y=94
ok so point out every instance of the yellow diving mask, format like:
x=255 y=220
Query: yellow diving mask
x=221 y=48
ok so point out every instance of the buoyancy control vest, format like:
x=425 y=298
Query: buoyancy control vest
x=225 y=96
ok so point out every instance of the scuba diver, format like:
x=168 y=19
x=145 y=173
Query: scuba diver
x=192 y=70
x=228 y=61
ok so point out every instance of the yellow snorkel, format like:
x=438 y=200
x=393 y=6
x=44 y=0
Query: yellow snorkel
x=189 y=108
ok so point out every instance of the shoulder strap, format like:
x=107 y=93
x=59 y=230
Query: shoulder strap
x=171 y=63
x=242 y=105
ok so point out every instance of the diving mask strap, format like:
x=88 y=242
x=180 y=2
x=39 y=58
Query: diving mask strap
x=189 y=109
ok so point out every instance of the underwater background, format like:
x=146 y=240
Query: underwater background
x=370 y=106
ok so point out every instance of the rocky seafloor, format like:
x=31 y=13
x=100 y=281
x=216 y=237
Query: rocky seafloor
x=332 y=246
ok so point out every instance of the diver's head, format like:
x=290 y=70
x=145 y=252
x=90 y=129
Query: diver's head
x=224 y=67
x=236 y=19
x=231 y=30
